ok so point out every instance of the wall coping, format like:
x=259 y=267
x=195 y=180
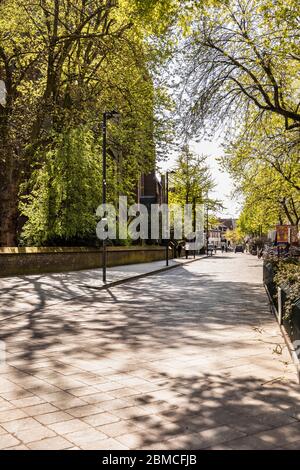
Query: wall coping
x=49 y=250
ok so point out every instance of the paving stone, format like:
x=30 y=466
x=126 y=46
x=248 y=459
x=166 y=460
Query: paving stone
x=51 y=418
x=157 y=446
x=106 y=444
x=119 y=428
x=131 y=412
x=51 y=443
x=136 y=440
x=218 y=435
x=291 y=446
x=68 y=383
x=18 y=447
x=86 y=410
x=42 y=390
x=205 y=439
x=101 y=419
x=5 y=405
x=11 y=415
x=39 y=409
x=112 y=405
x=20 y=425
x=252 y=443
x=15 y=392
x=98 y=398
x=86 y=437
x=88 y=378
x=61 y=397
x=125 y=392
x=6 y=385
x=29 y=401
x=66 y=427
x=244 y=423
x=283 y=434
x=110 y=387
x=82 y=391
x=33 y=434
x=7 y=440
x=219 y=448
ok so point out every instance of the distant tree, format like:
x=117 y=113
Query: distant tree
x=191 y=179
x=234 y=236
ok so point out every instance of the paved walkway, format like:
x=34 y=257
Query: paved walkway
x=189 y=359
x=31 y=293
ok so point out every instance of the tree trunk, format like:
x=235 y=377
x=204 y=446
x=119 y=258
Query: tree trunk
x=9 y=174
x=8 y=213
x=9 y=185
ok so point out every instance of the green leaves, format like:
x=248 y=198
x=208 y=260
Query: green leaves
x=264 y=163
x=65 y=191
x=191 y=179
x=288 y=275
x=238 y=56
x=64 y=64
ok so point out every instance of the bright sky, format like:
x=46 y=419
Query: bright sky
x=224 y=184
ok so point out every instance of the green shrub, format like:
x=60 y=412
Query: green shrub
x=288 y=277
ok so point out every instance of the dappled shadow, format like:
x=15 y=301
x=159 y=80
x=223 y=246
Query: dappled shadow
x=199 y=347
x=183 y=306
x=212 y=411
x=31 y=293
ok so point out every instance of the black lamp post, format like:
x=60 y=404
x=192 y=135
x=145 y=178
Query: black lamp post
x=167 y=202
x=106 y=117
x=195 y=198
x=207 y=229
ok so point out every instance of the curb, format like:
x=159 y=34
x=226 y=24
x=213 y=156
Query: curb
x=286 y=337
x=143 y=275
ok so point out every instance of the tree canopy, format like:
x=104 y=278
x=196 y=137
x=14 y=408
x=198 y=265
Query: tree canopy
x=241 y=76
x=234 y=67
x=63 y=64
x=191 y=180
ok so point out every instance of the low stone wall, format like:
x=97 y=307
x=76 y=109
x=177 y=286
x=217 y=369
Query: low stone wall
x=18 y=261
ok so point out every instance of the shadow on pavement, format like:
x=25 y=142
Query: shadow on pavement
x=190 y=336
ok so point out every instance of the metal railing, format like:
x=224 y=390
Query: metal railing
x=279 y=298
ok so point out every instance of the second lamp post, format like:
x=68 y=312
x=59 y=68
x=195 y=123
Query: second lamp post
x=106 y=117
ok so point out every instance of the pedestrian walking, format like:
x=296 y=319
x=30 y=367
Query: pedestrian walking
x=187 y=250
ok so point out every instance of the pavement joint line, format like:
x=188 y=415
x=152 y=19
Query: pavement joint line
x=104 y=287
x=285 y=335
